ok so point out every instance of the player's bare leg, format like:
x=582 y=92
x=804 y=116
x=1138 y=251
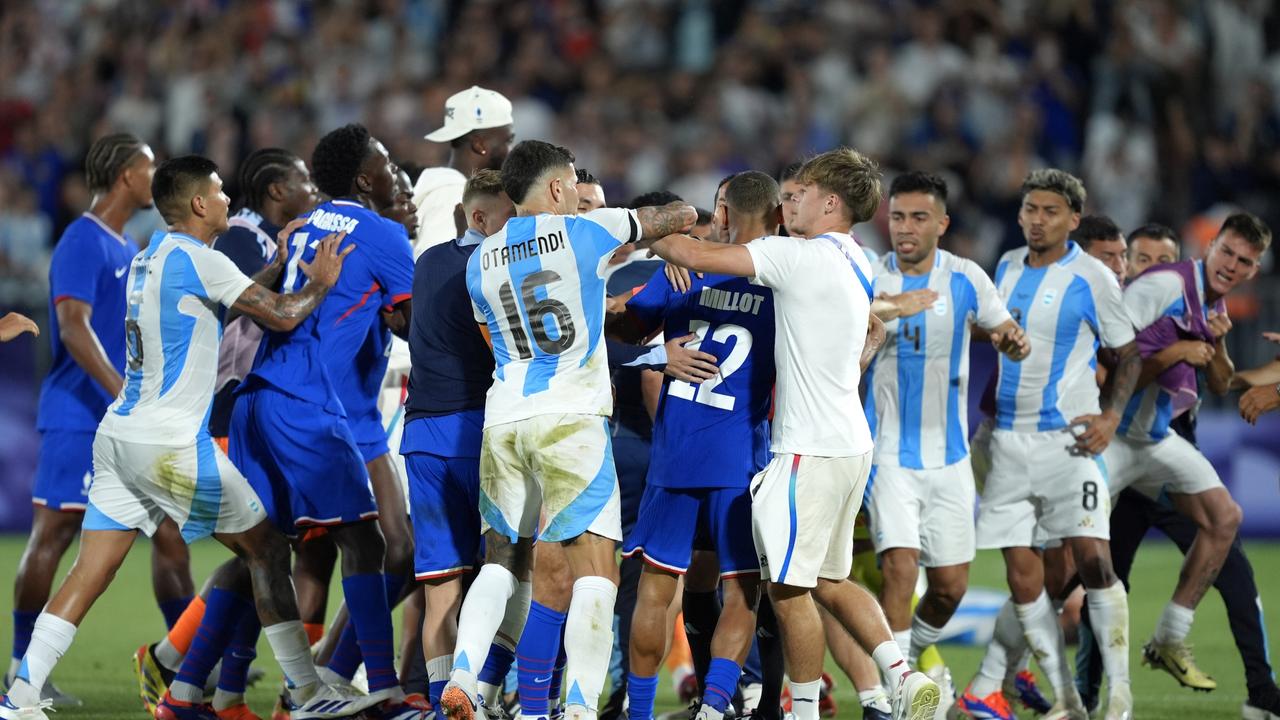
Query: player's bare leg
x=856 y=664
x=1217 y=518
x=314 y=560
x=648 y=624
x=170 y=564
x=52 y=532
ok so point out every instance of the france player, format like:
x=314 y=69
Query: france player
x=1068 y=304
x=452 y=372
x=921 y=505
x=538 y=286
x=709 y=440
x=805 y=500
x=87 y=288
x=1169 y=304
x=289 y=428
x=153 y=453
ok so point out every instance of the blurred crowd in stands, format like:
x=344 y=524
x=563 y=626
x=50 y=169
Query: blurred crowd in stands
x=1168 y=109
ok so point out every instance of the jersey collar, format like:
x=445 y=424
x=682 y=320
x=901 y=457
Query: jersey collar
x=471 y=238
x=118 y=237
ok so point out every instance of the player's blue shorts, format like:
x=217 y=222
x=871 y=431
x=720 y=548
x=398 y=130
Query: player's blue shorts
x=64 y=470
x=670 y=519
x=371 y=437
x=444 y=503
x=302 y=461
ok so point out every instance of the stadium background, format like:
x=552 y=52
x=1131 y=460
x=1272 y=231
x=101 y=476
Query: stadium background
x=1170 y=112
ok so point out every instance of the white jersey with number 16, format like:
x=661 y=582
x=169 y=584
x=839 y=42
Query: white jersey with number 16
x=538 y=284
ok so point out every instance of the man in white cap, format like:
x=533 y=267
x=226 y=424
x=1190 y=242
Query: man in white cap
x=477 y=126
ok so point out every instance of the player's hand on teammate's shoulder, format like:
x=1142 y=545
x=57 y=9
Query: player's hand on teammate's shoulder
x=1093 y=433
x=326 y=266
x=678 y=277
x=688 y=364
x=1258 y=400
x=14 y=324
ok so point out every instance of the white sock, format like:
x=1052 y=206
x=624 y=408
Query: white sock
x=922 y=636
x=710 y=713
x=482 y=614
x=588 y=641
x=13 y=670
x=892 y=665
x=329 y=677
x=1175 y=623
x=513 y=618
x=903 y=638
x=751 y=697
x=997 y=661
x=875 y=699
x=186 y=692
x=1041 y=630
x=438 y=668
x=1109 y=612
x=491 y=694
x=168 y=656
x=223 y=699
x=804 y=698
x=49 y=642
x=288 y=641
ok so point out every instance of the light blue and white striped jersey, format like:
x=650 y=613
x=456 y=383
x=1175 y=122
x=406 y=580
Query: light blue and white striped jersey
x=173 y=325
x=1067 y=309
x=1148 y=298
x=538 y=284
x=918 y=404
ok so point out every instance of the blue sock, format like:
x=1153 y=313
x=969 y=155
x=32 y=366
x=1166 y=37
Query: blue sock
x=537 y=651
x=240 y=655
x=722 y=682
x=557 y=675
x=496 y=666
x=366 y=597
x=222 y=614
x=641 y=692
x=346 y=657
x=23 y=625
x=434 y=691
x=172 y=610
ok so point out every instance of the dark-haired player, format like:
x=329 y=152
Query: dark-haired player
x=1099 y=236
x=922 y=500
x=87 y=289
x=153 y=453
x=538 y=287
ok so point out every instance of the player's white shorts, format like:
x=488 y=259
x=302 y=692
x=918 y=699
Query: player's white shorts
x=1171 y=464
x=926 y=510
x=803 y=509
x=136 y=485
x=557 y=469
x=392 y=410
x=1038 y=492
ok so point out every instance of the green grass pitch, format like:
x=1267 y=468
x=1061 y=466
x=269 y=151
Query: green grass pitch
x=98 y=667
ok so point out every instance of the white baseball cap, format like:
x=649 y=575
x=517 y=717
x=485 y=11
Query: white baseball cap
x=472 y=109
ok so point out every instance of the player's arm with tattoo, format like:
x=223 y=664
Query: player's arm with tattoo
x=659 y=221
x=284 y=312
x=1099 y=429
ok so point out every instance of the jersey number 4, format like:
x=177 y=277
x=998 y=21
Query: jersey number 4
x=705 y=393
x=538 y=311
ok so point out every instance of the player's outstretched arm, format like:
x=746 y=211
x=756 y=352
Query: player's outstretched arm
x=659 y=221
x=283 y=313
x=892 y=307
x=1096 y=431
x=690 y=252
x=1268 y=374
x=76 y=333
x=14 y=324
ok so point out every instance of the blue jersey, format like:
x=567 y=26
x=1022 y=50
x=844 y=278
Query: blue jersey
x=715 y=434
x=1067 y=308
x=318 y=356
x=538 y=283
x=89 y=264
x=917 y=402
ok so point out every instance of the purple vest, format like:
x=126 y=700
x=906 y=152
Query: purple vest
x=1179 y=379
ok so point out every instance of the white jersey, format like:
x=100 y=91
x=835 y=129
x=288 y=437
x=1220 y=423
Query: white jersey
x=919 y=381
x=1067 y=309
x=538 y=283
x=822 y=295
x=172 y=330
x=435 y=195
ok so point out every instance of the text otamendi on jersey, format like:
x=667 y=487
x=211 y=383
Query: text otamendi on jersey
x=515 y=252
x=730 y=300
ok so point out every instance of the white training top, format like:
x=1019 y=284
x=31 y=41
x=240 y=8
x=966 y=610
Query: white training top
x=172 y=330
x=822 y=295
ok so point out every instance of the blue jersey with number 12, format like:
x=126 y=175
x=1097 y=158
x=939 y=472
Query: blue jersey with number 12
x=715 y=434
